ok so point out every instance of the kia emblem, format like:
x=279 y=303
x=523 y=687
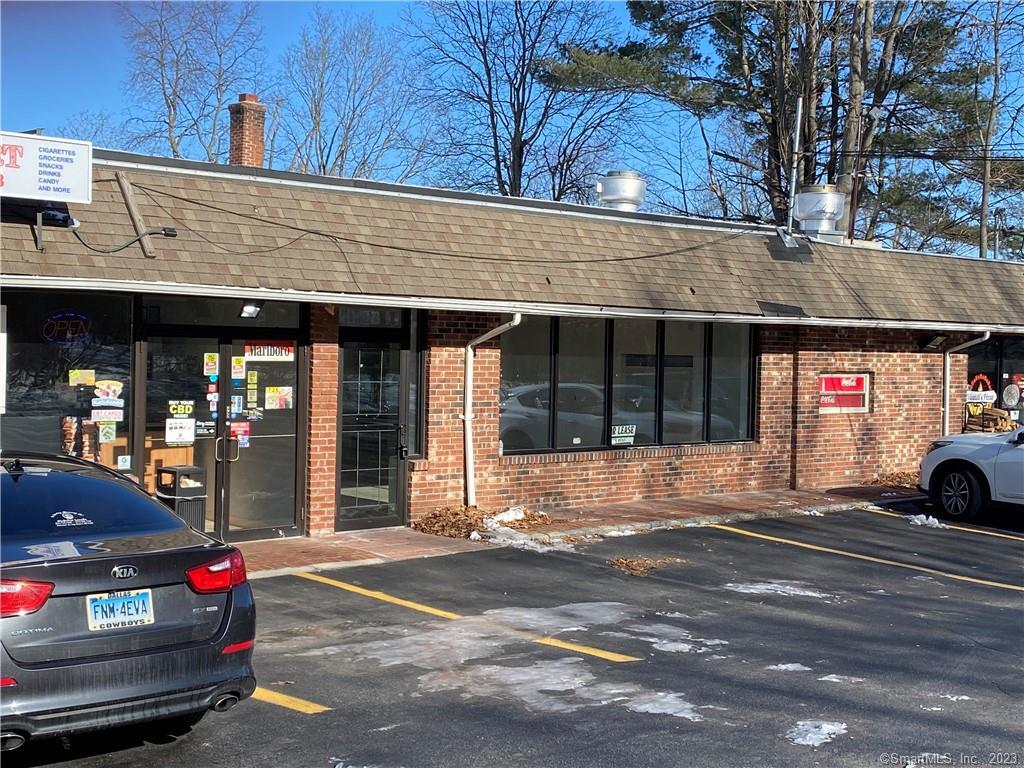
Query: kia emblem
x=124 y=571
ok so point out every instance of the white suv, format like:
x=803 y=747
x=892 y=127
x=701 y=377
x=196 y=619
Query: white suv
x=962 y=473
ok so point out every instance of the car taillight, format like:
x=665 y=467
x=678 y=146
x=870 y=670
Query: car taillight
x=18 y=598
x=236 y=647
x=219 y=576
x=8 y=682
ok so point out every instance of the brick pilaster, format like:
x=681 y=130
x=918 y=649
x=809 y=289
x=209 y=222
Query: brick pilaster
x=321 y=493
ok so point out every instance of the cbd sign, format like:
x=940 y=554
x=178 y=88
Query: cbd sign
x=181 y=409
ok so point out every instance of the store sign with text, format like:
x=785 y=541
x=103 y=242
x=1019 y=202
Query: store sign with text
x=269 y=351
x=843 y=392
x=45 y=168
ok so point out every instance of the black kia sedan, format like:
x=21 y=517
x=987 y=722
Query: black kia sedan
x=114 y=611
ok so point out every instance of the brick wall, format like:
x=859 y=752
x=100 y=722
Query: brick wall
x=321 y=455
x=794 y=446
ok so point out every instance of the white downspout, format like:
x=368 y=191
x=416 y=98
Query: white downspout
x=945 y=375
x=467 y=404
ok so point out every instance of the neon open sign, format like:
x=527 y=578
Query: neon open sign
x=67 y=327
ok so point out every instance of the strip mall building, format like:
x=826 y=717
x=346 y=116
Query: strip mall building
x=306 y=341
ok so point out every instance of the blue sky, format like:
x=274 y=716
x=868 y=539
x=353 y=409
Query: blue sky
x=60 y=58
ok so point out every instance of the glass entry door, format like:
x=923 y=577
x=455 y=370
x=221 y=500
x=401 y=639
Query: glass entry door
x=371 y=469
x=228 y=406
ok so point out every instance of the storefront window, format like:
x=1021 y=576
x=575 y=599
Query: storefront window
x=635 y=382
x=526 y=385
x=68 y=375
x=730 y=382
x=683 y=420
x=581 y=371
x=576 y=346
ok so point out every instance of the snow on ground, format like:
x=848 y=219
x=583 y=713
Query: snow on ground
x=925 y=520
x=814 y=733
x=669 y=638
x=789 y=668
x=616 y=532
x=841 y=679
x=952 y=697
x=776 y=587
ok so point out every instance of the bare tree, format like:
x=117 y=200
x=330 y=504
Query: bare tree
x=189 y=61
x=507 y=130
x=349 y=101
x=102 y=128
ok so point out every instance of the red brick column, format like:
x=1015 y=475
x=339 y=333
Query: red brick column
x=321 y=494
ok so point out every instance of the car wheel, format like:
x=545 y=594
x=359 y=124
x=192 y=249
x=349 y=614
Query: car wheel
x=960 y=495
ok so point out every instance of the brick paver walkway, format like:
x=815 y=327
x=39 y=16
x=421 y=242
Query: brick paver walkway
x=276 y=556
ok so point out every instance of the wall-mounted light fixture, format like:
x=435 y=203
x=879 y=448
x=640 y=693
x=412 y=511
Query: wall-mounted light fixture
x=251 y=310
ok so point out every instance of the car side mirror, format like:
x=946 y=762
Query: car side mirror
x=1019 y=439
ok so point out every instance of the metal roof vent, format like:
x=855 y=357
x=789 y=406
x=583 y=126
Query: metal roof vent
x=818 y=207
x=621 y=190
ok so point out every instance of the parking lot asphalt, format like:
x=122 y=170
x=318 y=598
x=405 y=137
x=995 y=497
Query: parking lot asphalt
x=853 y=639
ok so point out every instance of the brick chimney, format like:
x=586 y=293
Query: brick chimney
x=246 y=145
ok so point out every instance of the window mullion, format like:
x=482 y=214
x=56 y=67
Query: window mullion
x=709 y=352
x=553 y=387
x=609 y=352
x=659 y=384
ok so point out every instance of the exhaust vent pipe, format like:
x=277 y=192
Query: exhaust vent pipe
x=224 y=703
x=11 y=740
x=621 y=190
x=818 y=207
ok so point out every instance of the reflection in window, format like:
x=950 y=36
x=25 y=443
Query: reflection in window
x=581 y=369
x=526 y=385
x=683 y=420
x=634 y=382
x=730 y=382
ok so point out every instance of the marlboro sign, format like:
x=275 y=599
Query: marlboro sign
x=843 y=392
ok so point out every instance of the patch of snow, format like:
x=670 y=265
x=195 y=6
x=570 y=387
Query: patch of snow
x=925 y=520
x=669 y=638
x=777 y=587
x=658 y=703
x=716 y=657
x=814 y=733
x=673 y=615
x=877 y=592
x=789 y=668
x=811 y=513
x=475 y=536
x=509 y=537
x=510 y=515
x=841 y=679
x=617 y=532
x=385 y=728
x=930 y=709
x=953 y=697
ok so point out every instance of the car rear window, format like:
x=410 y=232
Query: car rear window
x=41 y=503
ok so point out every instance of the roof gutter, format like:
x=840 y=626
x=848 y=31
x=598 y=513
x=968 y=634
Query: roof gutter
x=479 y=305
x=945 y=374
x=467 y=405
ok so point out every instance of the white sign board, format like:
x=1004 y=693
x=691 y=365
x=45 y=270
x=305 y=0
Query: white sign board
x=45 y=168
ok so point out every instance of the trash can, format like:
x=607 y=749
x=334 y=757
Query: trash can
x=183 y=489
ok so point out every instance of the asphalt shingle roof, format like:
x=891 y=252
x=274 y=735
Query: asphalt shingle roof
x=268 y=232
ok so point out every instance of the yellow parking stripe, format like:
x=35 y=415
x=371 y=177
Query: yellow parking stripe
x=869 y=558
x=380 y=596
x=385 y=597
x=954 y=527
x=289 y=702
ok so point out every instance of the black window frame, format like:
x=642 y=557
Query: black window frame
x=753 y=381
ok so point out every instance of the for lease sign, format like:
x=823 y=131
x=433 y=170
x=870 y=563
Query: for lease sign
x=45 y=168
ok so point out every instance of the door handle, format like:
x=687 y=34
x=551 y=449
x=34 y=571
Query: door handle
x=216 y=449
x=403 y=449
x=238 y=449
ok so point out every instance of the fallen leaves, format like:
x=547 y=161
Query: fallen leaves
x=456 y=522
x=642 y=566
x=895 y=479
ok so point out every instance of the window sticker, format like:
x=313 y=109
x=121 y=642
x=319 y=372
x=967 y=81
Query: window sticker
x=111 y=388
x=206 y=428
x=253 y=378
x=68 y=519
x=843 y=392
x=277 y=398
x=269 y=351
x=124 y=461
x=107 y=414
x=238 y=367
x=236 y=406
x=240 y=431
x=107 y=431
x=179 y=431
x=181 y=409
x=82 y=377
x=211 y=361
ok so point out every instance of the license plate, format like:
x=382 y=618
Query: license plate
x=117 y=610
